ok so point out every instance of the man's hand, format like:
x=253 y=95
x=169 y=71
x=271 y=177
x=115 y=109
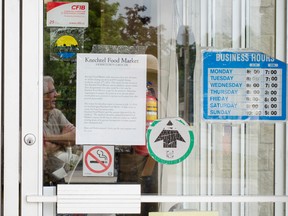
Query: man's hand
x=68 y=128
x=50 y=148
x=66 y=138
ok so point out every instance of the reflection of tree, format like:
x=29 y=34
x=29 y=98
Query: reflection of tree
x=137 y=31
x=186 y=57
x=105 y=27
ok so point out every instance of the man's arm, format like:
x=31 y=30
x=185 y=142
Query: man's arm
x=66 y=138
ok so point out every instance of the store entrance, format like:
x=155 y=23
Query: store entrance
x=109 y=108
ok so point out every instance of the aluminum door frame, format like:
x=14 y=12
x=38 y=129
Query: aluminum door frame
x=22 y=104
x=10 y=102
x=31 y=95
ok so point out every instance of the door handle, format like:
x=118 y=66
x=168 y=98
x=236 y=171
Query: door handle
x=94 y=199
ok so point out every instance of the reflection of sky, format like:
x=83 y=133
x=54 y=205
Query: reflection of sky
x=150 y=4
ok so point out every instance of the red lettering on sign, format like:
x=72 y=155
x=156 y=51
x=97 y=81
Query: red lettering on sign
x=78 y=7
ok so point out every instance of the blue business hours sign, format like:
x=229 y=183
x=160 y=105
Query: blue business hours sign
x=243 y=86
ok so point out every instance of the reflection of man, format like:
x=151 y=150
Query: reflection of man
x=58 y=133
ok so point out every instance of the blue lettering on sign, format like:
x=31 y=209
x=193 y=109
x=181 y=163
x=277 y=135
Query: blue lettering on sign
x=221 y=78
x=226 y=85
x=220 y=112
x=220 y=71
x=218 y=98
x=223 y=105
x=223 y=91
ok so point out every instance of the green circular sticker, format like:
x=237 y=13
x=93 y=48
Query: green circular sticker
x=170 y=141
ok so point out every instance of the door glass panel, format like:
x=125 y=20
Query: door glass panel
x=114 y=27
x=222 y=33
x=261 y=161
x=227 y=158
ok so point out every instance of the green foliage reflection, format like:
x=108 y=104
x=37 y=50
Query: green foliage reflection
x=107 y=27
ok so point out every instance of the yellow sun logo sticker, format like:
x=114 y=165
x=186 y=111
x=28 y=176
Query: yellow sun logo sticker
x=66 y=47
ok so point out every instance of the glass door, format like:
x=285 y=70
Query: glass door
x=101 y=65
x=98 y=77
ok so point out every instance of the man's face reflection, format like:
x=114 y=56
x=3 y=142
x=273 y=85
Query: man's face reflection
x=50 y=97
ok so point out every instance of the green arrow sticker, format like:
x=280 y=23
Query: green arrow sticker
x=170 y=140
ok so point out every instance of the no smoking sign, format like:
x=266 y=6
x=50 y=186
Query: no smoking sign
x=98 y=160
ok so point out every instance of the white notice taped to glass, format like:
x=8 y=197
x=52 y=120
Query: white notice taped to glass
x=111 y=99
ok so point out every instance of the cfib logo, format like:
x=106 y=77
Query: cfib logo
x=78 y=7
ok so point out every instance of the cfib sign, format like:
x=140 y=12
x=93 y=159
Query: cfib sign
x=67 y=14
x=243 y=86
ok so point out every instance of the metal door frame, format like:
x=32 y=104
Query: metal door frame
x=22 y=108
x=10 y=106
x=22 y=68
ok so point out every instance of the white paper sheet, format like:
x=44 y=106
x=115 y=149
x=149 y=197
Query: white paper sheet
x=111 y=99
